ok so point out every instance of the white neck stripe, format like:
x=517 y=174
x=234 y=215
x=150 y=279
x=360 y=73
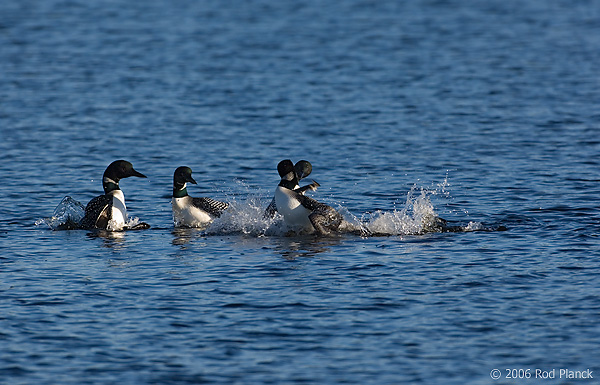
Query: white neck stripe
x=108 y=180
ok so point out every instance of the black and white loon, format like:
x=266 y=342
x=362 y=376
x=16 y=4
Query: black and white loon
x=108 y=211
x=188 y=211
x=303 y=168
x=299 y=211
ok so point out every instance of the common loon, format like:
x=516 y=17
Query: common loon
x=188 y=211
x=299 y=211
x=108 y=211
x=303 y=168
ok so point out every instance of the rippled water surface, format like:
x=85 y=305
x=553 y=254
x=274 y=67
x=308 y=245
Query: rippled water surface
x=483 y=113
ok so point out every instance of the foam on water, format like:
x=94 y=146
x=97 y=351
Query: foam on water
x=132 y=223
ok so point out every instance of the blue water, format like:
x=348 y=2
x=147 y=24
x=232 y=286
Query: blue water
x=484 y=113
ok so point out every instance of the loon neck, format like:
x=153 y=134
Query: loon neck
x=110 y=184
x=289 y=184
x=179 y=191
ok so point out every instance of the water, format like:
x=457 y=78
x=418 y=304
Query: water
x=482 y=113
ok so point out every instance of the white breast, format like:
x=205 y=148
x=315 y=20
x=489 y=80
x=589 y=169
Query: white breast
x=186 y=214
x=294 y=214
x=119 y=211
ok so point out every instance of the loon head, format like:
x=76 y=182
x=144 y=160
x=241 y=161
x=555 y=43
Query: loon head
x=289 y=178
x=303 y=169
x=181 y=176
x=116 y=171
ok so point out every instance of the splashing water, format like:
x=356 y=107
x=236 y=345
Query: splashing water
x=66 y=215
x=245 y=217
x=417 y=217
x=69 y=213
x=133 y=223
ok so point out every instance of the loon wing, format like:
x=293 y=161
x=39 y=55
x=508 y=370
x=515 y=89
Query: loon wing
x=308 y=202
x=312 y=187
x=324 y=218
x=271 y=209
x=211 y=206
x=97 y=213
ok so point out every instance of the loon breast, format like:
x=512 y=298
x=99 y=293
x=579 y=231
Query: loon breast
x=119 y=211
x=186 y=214
x=292 y=210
